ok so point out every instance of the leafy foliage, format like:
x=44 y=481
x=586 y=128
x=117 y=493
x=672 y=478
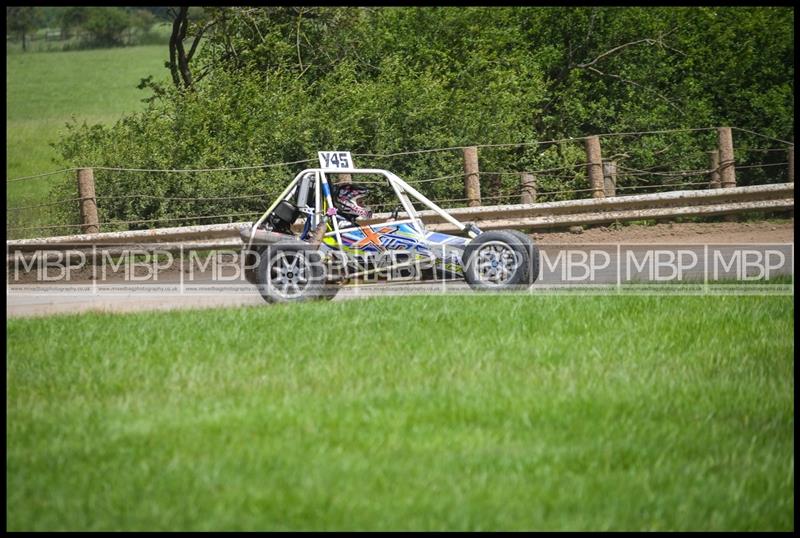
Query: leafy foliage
x=81 y=27
x=22 y=20
x=280 y=83
x=106 y=25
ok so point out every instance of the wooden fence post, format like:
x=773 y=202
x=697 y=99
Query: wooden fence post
x=528 y=184
x=472 y=183
x=713 y=165
x=790 y=157
x=609 y=178
x=727 y=170
x=88 y=202
x=595 y=164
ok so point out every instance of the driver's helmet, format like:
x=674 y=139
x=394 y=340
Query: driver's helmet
x=346 y=199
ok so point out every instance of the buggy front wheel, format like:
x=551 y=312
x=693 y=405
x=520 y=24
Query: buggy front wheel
x=500 y=260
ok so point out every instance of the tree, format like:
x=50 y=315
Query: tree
x=142 y=20
x=106 y=25
x=22 y=20
x=179 y=59
x=72 y=18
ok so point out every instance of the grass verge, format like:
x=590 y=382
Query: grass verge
x=421 y=413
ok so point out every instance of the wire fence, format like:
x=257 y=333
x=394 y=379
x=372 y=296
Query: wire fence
x=555 y=165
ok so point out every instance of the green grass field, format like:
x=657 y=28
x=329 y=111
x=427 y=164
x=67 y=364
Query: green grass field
x=45 y=90
x=465 y=412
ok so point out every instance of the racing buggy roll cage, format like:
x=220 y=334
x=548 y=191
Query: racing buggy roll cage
x=301 y=185
x=290 y=265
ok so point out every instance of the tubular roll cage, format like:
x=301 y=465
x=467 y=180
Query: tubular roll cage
x=323 y=186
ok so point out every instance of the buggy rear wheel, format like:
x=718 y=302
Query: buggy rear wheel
x=291 y=272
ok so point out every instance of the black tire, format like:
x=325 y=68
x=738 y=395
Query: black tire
x=497 y=261
x=291 y=272
x=533 y=256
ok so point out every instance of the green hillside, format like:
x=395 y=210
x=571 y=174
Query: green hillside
x=45 y=90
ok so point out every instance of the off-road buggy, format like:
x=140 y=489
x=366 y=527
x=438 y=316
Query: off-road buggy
x=303 y=247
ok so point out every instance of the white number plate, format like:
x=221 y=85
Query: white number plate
x=339 y=160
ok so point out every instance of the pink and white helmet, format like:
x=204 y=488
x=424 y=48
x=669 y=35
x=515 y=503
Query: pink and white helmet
x=346 y=197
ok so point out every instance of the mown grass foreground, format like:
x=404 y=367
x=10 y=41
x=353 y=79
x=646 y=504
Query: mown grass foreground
x=466 y=412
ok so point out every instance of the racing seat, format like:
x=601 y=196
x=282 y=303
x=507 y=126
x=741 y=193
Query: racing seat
x=284 y=216
x=286 y=213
